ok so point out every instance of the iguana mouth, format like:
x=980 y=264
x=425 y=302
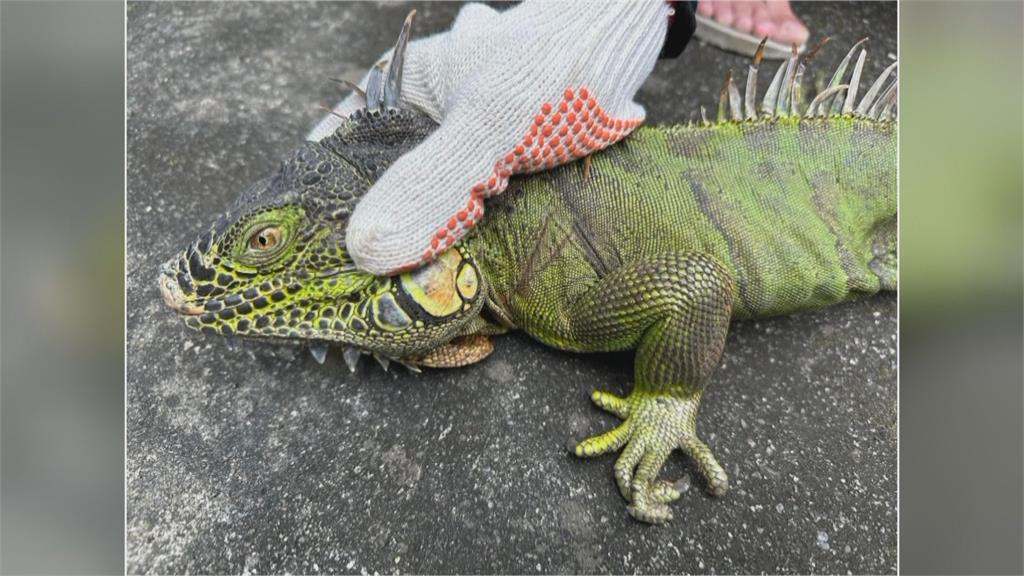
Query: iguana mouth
x=174 y=297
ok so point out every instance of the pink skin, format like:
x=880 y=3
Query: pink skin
x=772 y=18
x=743 y=14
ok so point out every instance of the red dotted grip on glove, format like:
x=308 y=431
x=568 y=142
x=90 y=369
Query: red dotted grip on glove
x=573 y=128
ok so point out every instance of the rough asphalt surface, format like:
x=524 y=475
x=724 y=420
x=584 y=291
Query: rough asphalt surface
x=256 y=458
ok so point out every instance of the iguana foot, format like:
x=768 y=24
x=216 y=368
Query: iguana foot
x=653 y=425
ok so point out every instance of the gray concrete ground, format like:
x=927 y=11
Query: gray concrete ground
x=256 y=458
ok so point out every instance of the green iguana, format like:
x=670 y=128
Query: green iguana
x=653 y=244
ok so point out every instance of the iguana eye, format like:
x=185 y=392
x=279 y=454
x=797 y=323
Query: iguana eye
x=265 y=239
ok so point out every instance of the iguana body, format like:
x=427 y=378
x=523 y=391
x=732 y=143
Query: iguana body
x=654 y=246
x=763 y=198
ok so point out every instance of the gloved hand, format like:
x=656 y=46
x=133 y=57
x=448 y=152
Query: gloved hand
x=533 y=87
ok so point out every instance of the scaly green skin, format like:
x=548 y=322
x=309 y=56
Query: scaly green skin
x=673 y=232
x=791 y=208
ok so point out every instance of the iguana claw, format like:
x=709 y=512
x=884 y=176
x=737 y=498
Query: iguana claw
x=653 y=425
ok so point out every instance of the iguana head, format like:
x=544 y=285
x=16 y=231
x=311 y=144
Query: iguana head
x=275 y=266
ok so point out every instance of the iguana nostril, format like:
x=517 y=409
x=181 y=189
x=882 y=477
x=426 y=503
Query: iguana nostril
x=166 y=291
x=173 y=295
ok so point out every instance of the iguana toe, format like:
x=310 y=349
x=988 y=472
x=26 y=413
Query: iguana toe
x=650 y=502
x=604 y=443
x=716 y=479
x=664 y=492
x=611 y=403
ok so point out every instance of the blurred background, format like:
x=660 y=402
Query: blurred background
x=62 y=309
x=62 y=287
x=960 y=287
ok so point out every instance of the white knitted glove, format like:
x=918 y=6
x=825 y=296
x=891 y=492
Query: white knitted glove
x=536 y=86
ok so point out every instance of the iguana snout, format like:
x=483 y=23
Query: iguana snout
x=172 y=292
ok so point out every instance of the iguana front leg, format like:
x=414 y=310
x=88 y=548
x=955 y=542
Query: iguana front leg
x=675 y=310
